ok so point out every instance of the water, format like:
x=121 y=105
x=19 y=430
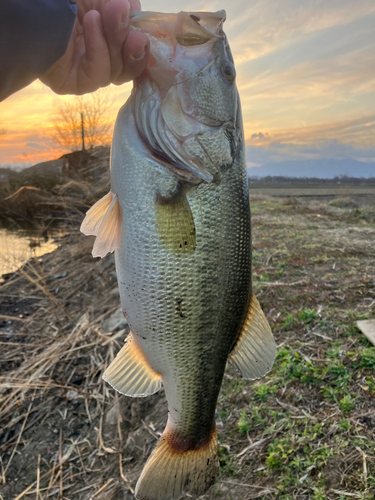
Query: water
x=17 y=246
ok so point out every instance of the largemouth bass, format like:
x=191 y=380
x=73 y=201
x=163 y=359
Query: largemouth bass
x=178 y=218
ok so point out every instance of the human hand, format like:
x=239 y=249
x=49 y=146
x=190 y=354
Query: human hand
x=101 y=50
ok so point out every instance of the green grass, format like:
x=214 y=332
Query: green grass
x=306 y=410
x=307 y=316
x=244 y=424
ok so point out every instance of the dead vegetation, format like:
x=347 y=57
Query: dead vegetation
x=37 y=196
x=306 y=431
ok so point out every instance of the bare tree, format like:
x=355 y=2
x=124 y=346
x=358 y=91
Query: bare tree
x=83 y=122
x=2 y=129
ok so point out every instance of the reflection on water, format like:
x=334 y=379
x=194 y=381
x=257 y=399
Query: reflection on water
x=16 y=247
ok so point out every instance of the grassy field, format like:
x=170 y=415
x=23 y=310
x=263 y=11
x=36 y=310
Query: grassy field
x=360 y=194
x=305 y=431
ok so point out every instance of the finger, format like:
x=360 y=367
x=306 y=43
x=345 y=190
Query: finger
x=95 y=68
x=135 y=5
x=135 y=56
x=85 y=6
x=116 y=22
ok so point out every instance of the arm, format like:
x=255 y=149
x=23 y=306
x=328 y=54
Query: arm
x=33 y=35
x=91 y=50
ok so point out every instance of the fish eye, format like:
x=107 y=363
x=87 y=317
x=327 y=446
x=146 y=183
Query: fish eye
x=228 y=71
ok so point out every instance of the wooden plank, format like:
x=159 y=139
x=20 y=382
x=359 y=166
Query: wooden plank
x=368 y=328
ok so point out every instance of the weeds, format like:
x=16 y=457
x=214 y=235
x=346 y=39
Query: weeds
x=288 y=322
x=243 y=424
x=307 y=316
x=347 y=403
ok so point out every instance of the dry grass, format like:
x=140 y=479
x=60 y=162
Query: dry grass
x=304 y=432
x=36 y=198
x=51 y=365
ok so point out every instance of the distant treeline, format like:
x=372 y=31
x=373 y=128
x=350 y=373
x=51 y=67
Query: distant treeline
x=341 y=179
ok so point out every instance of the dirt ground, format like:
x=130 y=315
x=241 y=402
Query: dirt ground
x=305 y=431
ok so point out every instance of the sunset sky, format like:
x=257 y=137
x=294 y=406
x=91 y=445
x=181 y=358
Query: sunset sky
x=306 y=76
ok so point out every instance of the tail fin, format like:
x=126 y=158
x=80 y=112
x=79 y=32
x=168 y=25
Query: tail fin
x=171 y=472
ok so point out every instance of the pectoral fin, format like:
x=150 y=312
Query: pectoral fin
x=130 y=372
x=175 y=223
x=255 y=349
x=103 y=220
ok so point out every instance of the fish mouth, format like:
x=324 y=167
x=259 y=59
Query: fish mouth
x=174 y=37
x=170 y=122
x=190 y=28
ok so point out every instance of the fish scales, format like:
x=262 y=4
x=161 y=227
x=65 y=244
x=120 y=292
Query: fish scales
x=185 y=314
x=178 y=218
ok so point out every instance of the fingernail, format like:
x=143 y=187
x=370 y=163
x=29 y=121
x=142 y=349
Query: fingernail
x=139 y=54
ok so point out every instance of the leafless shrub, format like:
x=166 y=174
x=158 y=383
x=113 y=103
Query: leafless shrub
x=83 y=122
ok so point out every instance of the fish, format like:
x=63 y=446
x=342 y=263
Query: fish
x=178 y=219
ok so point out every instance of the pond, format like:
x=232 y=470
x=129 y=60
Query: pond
x=17 y=246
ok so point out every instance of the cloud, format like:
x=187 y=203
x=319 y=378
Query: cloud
x=35 y=145
x=358 y=132
x=318 y=87
x=305 y=76
x=266 y=26
x=258 y=136
x=276 y=152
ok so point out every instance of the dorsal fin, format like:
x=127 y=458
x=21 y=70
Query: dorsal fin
x=130 y=372
x=103 y=220
x=255 y=348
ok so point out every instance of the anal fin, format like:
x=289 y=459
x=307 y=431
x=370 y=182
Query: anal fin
x=103 y=220
x=255 y=348
x=130 y=372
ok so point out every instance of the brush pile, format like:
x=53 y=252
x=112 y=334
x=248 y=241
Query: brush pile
x=48 y=192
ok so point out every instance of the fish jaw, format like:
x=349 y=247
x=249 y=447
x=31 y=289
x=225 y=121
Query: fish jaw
x=186 y=102
x=172 y=39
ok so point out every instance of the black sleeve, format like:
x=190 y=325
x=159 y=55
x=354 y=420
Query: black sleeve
x=33 y=35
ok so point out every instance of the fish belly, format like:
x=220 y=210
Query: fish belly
x=185 y=306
